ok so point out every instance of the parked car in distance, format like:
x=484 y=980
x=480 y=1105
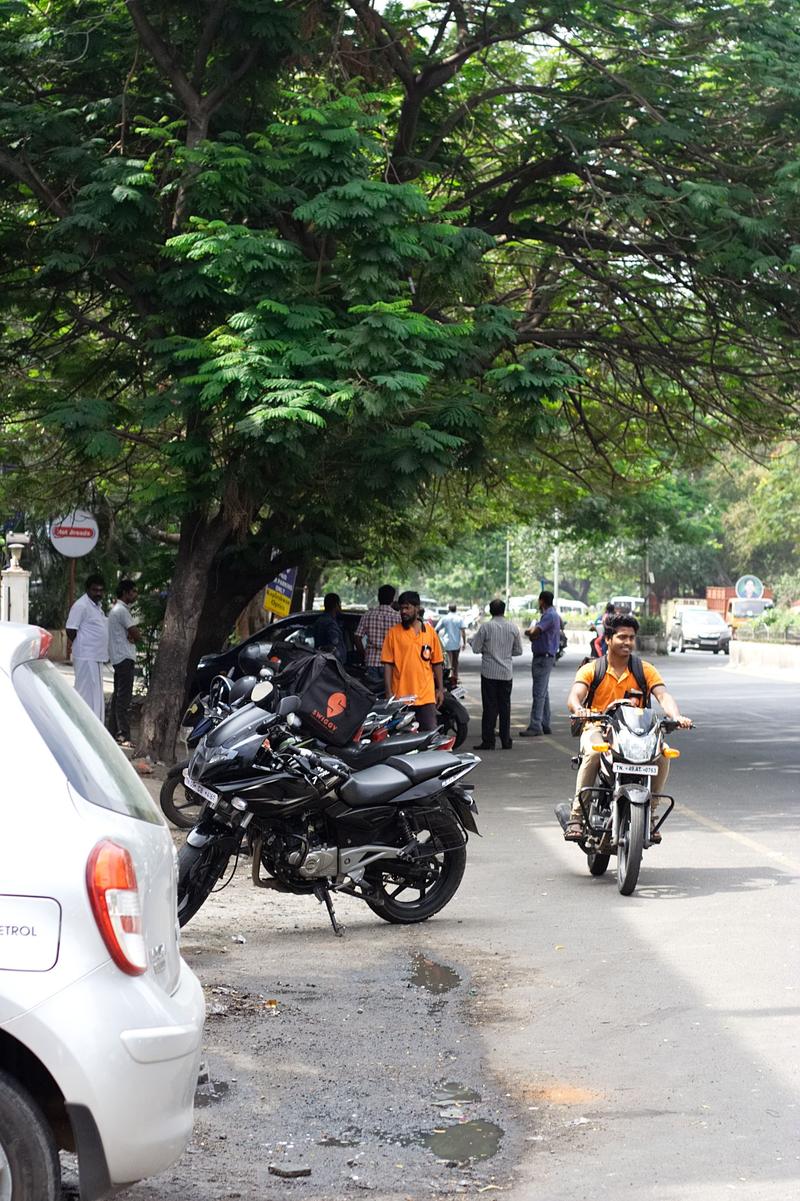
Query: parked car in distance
x=699 y=629
x=101 y=1021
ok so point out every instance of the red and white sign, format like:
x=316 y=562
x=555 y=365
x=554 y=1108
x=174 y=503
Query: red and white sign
x=75 y=534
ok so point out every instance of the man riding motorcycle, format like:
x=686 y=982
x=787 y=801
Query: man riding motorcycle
x=596 y=686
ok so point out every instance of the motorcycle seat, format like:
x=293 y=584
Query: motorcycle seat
x=374 y=785
x=379 y=752
x=424 y=766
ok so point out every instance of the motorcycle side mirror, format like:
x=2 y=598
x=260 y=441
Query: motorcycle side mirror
x=262 y=691
x=289 y=704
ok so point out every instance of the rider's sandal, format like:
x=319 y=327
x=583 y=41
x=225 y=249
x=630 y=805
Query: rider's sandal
x=573 y=831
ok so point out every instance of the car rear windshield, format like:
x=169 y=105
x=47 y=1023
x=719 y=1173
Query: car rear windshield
x=707 y=619
x=86 y=753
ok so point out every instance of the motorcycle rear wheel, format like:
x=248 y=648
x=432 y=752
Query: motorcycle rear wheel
x=439 y=885
x=199 y=868
x=449 y=724
x=630 y=847
x=597 y=863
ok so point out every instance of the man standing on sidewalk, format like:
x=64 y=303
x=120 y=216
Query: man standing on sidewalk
x=373 y=628
x=453 y=638
x=123 y=634
x=87 y=630
x=412 y=662
x=544 y=635
x=497 y=642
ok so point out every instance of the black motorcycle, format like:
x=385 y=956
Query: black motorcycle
x=393 y=835
x=617 y=810
x=384 y=733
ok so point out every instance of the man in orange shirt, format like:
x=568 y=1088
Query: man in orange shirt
x=412 y=662
x=618 y=679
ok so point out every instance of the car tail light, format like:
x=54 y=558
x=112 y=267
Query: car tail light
x=115 y=901
x=45 y=638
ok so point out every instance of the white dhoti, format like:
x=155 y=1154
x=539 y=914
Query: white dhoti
x=89 y=685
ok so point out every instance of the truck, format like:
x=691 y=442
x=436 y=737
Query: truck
x=736 y=609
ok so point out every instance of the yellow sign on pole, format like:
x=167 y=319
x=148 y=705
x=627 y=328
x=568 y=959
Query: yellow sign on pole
x=279 y=593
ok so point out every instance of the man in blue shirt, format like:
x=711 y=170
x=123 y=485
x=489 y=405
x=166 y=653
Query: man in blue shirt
x=327 y=629
x=544 y=635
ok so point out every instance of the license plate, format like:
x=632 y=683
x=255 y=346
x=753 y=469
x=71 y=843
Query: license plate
x=200 y=789
x=636 y=769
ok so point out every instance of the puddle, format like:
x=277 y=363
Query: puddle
x=210 y=1093
x=477 y=1139
x=452 y=1091
x=432 y=976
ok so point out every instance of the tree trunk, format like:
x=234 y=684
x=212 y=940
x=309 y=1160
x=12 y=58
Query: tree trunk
x=199 y=542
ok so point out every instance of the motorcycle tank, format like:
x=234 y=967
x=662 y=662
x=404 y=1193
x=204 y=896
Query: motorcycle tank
x=236 y=725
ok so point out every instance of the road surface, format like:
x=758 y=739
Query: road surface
x=565 y=1042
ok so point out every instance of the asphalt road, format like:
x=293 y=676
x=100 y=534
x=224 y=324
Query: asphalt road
x=583 y=1043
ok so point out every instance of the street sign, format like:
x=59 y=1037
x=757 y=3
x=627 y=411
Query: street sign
x=75 y=534
x=278 y=598
x=749 y=587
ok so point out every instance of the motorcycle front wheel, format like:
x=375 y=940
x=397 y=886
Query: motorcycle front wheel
x=178 y=803
x=409 y=892
x=199 y=868
x=630 y=848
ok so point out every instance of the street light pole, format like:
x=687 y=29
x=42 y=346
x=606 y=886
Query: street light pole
x=508 y=571
x=555 y=574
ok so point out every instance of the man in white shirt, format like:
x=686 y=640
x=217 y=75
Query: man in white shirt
x=87 y=630
x=453 y=638
x=123 y=634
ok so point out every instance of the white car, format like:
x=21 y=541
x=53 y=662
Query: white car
x=101 y=1021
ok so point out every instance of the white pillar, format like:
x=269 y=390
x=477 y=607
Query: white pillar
x=15 y=595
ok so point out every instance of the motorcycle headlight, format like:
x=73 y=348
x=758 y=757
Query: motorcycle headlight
x=636 y=748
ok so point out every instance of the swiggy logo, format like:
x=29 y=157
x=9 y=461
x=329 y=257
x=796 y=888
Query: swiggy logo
x=337 y=703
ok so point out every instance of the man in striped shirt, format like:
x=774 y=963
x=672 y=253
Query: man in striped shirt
x=372 y=630
x=497 y=642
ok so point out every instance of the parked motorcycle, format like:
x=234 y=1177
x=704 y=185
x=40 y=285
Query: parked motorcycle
x=617 y=810
x=393 y=835
x=384 y=733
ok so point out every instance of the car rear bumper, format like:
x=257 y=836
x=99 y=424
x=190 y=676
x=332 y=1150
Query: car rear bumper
x=125 y=1056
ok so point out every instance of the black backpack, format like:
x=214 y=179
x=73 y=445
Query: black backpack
x=332 y=704
x=636 y=670
x=600 y=668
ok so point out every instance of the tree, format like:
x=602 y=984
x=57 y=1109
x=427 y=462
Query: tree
x=260 y=258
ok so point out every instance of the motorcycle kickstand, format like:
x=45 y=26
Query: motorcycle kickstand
x=322 y=894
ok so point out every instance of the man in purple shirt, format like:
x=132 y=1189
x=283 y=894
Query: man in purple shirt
x=544 y=635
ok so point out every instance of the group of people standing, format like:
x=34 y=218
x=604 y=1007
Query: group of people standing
x=97 y=639
x=405 y=654
x=498 y=642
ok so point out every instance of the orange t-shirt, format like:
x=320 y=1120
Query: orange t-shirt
x=411 y=652
x=613 y=687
